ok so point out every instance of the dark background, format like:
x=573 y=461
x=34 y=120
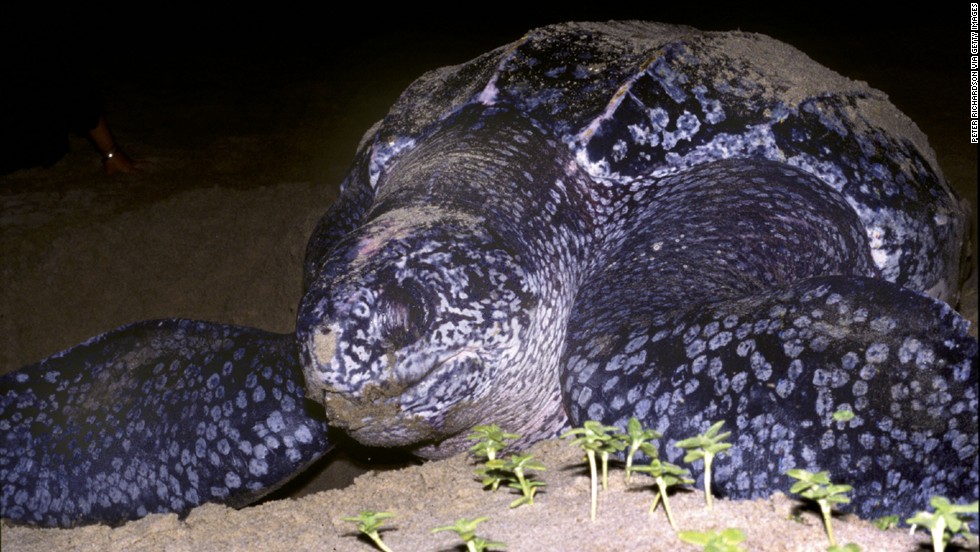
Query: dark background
x=372 y=52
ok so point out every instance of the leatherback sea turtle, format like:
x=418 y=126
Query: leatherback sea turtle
x=597 y=221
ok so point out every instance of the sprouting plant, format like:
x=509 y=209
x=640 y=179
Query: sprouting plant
x=665 y=475
x=490 y=440
x=945 y=522
x=817 y=486
x=849 y=547
x=608 y=444
x=517 y=464
x=728 y=540
x=843 y=415
x=885 y=522
x=634 y=438
x=795 y=518
x=706 y=446
x=369 y=522
x=466 y=529
x=592 y=437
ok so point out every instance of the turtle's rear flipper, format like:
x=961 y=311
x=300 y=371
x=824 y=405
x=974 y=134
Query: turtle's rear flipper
x=157 y=416
x=780 y=369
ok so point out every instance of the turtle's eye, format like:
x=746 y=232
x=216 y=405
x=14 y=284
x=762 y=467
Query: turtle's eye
x=403 y=315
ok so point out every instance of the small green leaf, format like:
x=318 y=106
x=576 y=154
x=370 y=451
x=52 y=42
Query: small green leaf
x=945 y=523
x=706 y=446
x=886 y=522
x=466 y=529
x=728 y=540
x=369 y=522
x=491 y=440
x=817 y=487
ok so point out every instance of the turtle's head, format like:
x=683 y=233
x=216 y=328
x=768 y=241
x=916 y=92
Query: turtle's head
x=446 y=307
x=416 y=329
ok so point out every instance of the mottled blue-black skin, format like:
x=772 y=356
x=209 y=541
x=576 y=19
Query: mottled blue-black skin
x=158 y=416
x=598 y=221
x=783 y=326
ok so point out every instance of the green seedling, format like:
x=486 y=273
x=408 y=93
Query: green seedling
x=705 y=447
x=369 y=522
x=729 y=540
x=885 y=522
x=796 y=518
x=817 y=487
x=665 y=475
x=608 y=444
x=466 y=529
x=634 y=438
x=490 y=477
x=515 y=466
x=592 y=438
x=843 y=415
x=490 y=440
x=849 y=547
x=945 y=522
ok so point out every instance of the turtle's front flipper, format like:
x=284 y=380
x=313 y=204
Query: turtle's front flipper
x=741 y=295
x=156 y=416
x=777 y=369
